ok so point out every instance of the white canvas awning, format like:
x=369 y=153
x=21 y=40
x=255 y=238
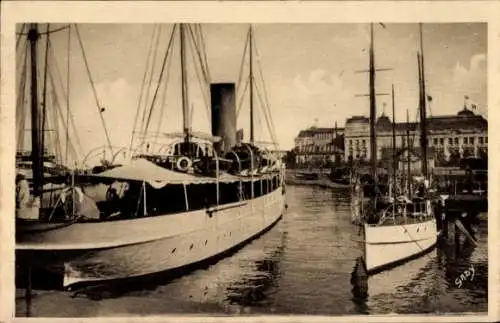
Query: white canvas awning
x=156 y=176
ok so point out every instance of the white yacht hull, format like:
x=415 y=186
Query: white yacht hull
x=388 y=245
x=89 y=252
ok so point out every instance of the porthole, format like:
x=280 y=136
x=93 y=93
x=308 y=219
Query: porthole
x=173 y=250
x=191 y=246
x=206 y=241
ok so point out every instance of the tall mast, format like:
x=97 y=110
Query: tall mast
x=373 y=110
x=35 y=122
x=185 y=102
x=394 y=162
x=423 y=110
x=408 y=152
x=251 y=86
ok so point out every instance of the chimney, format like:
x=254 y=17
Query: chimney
x=223 y=115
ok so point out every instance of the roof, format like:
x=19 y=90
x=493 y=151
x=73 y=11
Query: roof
x=314 y=130
x=358 y=119
x=464 y=119
x=305 y=133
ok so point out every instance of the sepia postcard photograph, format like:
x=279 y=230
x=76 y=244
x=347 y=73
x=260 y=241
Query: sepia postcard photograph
x=183 y=166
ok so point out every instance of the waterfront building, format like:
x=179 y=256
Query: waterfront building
x=451 y=137
x=317 y=146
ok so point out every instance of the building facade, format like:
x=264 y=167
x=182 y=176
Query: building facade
x=319 y=146
x=451 y=137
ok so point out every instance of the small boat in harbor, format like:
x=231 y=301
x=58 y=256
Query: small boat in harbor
x=397 y=225
x=193 y=198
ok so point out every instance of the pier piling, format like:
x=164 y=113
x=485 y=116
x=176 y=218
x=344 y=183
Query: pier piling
x=359 y=280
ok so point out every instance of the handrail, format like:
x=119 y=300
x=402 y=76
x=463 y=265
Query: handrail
x=251 y=165
x=404 y=204
x=216 y=174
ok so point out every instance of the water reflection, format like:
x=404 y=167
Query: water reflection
x=303 y=265
x=254 y=289
x=427 y=284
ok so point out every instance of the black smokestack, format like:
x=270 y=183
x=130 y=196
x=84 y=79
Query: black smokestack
x=224 y=114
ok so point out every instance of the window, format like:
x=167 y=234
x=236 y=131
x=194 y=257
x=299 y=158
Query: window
x=450 y=141
x=441 y=140
x=357 y=142
x=364 y=143
x=471 y=140
x=480 y=140
x=485 y=140
x=435 y=141
x=456 y=141
x=466 y=141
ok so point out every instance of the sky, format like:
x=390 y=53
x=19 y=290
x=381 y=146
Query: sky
x=309 y=71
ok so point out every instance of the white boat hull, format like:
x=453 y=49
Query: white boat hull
x=388 y=245
x=90 y=252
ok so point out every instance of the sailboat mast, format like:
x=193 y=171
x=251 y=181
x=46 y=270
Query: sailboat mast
x=35 y=122
x=251 y=85
x=394 y=162
x=185 y=102
x=423 y=110
x=373 y=110
x=408 y=152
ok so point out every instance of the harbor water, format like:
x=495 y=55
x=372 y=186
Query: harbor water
x=303 y=265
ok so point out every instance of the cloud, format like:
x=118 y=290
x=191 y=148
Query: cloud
x=318 y=94
x=326 y=94
x=472 y=81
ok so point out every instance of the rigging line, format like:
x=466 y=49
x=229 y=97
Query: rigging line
x=20 y=108
x=59 y=78
x=201 y=42
x=68 y=75
x=60 y=118
x=163 y=99
x=18 y=40
x=266 y=96
x=261 y=106
x=203 y=92
x=93 y=89
x=65 y=96
x=240 y=102
x=44 y=95
x=57 y=144
x=258 y=120
x=55 y=101
x=197 y=49
x=48 y=31
x=243 y=59
x=141 y=91
x=203 y=45
x=267 y=114
x=169 y=47
x=151 y=73
x=22 y=53
x=273 y=138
